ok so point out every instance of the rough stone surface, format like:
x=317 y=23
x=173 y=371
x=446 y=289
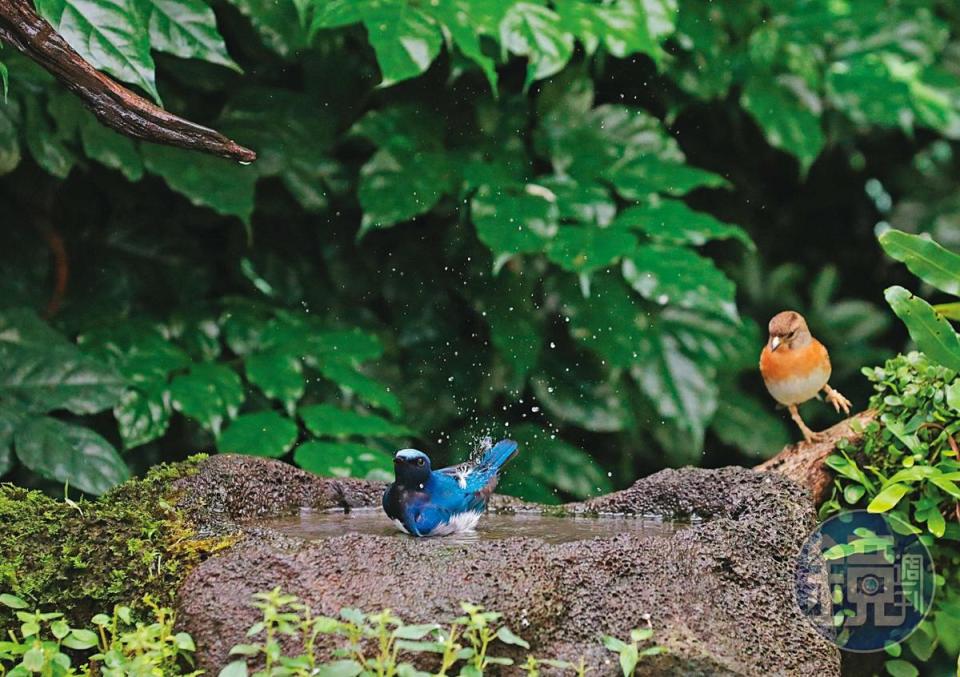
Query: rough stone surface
x=719 y=593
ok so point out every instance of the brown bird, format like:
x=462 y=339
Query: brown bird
x=796 y=367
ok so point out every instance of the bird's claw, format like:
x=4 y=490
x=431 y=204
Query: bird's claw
x=838 y=401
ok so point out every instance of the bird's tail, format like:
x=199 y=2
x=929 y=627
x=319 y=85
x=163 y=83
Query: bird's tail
x=496 y=457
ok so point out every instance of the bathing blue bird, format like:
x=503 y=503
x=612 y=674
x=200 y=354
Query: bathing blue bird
x=427 y=502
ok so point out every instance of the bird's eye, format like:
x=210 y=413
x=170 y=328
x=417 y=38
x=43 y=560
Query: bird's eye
x=419 y=461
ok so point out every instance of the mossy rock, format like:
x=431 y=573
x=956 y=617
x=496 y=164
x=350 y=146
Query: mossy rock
x=83 y=558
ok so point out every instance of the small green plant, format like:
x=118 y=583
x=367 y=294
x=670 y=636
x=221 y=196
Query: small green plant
x=630 y=652
x=124 y=647
x=373 y=644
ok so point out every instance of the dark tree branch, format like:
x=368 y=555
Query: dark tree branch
x=114 y=105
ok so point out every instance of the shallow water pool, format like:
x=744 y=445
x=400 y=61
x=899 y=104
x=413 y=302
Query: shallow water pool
x=314 y=526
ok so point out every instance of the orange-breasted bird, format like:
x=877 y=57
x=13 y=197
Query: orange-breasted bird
x=796 y=367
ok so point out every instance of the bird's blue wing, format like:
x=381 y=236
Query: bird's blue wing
x=482 y=479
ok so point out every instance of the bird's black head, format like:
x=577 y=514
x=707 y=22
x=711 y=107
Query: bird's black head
x=412 y=468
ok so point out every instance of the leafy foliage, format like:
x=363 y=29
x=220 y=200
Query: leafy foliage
x=500 y=205
x=907 y=465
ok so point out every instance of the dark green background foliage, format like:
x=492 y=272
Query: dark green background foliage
x=567 y=222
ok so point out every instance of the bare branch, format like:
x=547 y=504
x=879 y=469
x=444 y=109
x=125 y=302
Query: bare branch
x=114 y=105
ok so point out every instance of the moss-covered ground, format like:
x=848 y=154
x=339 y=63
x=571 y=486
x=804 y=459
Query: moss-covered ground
x=83 y=558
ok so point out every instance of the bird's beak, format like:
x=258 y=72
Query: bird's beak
x=775 y=342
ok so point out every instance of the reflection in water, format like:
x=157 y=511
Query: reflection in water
x=313 y=526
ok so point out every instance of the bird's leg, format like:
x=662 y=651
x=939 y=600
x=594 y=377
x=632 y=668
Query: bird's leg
x=808 y=434
x=837 y=400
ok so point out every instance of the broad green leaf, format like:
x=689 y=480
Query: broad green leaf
x=611 y=322
x=515 y=324
x=60 y=378
x=209 y=394
x=673 y=222
x=900 y=668
x=513 y=221
x=743 y=422
x=68 y=453
x=396 y=186
x=143 y=414
x=10 y=419
x=932 y=334
x=110 y=34
x=463 y=21
x=12 y=601
x=188 y=29
x=279 y=375
x=622 y=27
x=343 y=459
x=584 y=249
x=365 y=388
x=953 y=395
x=207 y=181
x=935 y=265
x=638 y=178
x=46 y=145
x=405 y=40
x=325 y=420
x=4 y=81
x=263 y=433
x=888 y=498
x=110 y=149
x=679 y=388
x=680 y=277
x=551 y=461
x=537 y=32
x=787 y=121
x=341 y=668
x=278 y=24
x=138 y=350
x=865 y=90
x=9 y=138
x=583 y=397
x=506 y=635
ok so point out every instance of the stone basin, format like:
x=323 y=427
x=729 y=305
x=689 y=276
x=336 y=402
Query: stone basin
x=713 y=573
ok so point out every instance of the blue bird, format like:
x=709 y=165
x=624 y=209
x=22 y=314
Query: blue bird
x=426 y=502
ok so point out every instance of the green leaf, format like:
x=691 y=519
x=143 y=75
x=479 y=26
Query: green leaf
x=900 y=668
x=325 y=420
x=679 y=277
x=584 y=249
x=953 y=395
x=787 y=120
x=209 y=394
x=110 y=34
x=462 y=20
x=67 y=453
x=515 y=325
x=583 y=397
x=343 y=459
x=4 y=82
x=673 y=222
x=341 y=668
x=514 y=221
x=548 y=460
x=537 y=32
x=109 y=148
x=46 y=146
x=143 y=414
x=622 y=27
x=188 y=29
x=80 y=639
x=638 y=178
x=11 y=417
x=926 y=259
x=396 y=186
x=278 y=24
x=12 y=601
x=506 y=635
x=364 y=387
x=279 y=375
x=138 y=350
x=888 y=498
x=9 y=137
x=405 y=40
x=207 y=181
x=743 y=422
x=932 y=334
x=264 y=433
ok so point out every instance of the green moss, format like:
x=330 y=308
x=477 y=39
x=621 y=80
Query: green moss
x=85 y=558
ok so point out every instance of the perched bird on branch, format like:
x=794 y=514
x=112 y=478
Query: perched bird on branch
x=427 y=502
x=796 y=367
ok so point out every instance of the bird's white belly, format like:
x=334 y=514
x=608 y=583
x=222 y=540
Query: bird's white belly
x=798 y=389
x=464 y=521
